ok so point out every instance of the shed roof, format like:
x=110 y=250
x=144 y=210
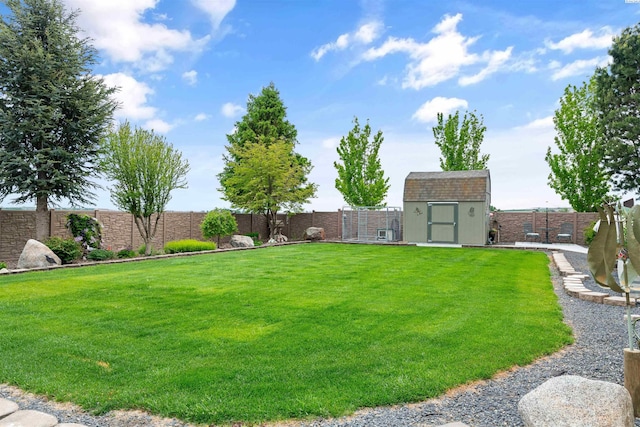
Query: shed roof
x=464 y=186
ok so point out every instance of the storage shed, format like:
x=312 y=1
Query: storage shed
x=447 y=207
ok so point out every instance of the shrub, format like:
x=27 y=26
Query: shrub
x=3 y=265
x=141 y=251
x=188 y=245
x=67 y=250
x=218 y=222
x=100 y=255
x=86 y=230
x=589 y=233
x=126 y=253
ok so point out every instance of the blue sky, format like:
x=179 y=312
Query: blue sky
x=186 y=67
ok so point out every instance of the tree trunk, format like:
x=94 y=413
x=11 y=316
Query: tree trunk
x=43 y=219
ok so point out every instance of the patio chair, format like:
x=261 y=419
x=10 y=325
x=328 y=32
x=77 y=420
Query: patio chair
x=529 y=233
x=566 y=232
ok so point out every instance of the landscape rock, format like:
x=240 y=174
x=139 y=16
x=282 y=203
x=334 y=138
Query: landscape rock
x=571 y=400
x=4 y=271
x=314 y=233
x=238 y=241
x=37 y=255
x=279 y=238
x=29 y=418
x=7 y=407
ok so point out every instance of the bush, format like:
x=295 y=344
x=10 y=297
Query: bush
x=141 y=250
x=67 y=250
x=3 y=265
x=188 y=245
x=100 y=255
x=126 y=253
x=589 y=233
x=86 y=230
x=218 y=222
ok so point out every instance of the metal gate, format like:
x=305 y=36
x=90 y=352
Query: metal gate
x=442 y=223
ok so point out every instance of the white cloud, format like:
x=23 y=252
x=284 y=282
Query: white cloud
x=428 y=112
x=117 y=28
x=132 y=97
x=201 y=117
x=231 y=110
x=578 y=67
x=158 y=125
x=584 y=40
x=495 y=60
x=364 y=35
x=191 y=77
x=441 y=58
x=544 y=123
x=216 y=9
x=331 y=143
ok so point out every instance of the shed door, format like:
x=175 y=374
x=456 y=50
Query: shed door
x=442 y=223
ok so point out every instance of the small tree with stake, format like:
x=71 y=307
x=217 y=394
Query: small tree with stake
x=218 y=222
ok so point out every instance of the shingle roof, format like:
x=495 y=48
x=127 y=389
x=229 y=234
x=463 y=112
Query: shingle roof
x=463 y=186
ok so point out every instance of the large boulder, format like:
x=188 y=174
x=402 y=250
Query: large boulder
x=314 y=233
x=238 y=241
x=570 y=400
x=37 y=255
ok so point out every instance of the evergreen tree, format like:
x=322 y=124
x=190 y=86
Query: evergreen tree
x=265 y=125
x=577 y=174
x=360 y=176
x=460 y=143
x=53 y=111
x=619 y=106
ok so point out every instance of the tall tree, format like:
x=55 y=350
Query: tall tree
x=460 y=143
x=618 y=99
x=268 y=178
x=577 y=173
x=146 y=169
x=360 y=176
x=53 y=111
x=265 y=123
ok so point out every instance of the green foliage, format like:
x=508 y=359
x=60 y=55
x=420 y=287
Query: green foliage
x=262 y=134
x=126 y=253
x=218 y=222
x=618 y=97
x=360 y=176
x=268 y=178
x=577 y=174
x=142 y=250
x=54 y=112
x=460 y=143
x=188 y=245
x=589 y=233
x=3 y=265
x=305 y=331
x=86 y=230
x=100 y=255
x=68 y=250
x=146 y=169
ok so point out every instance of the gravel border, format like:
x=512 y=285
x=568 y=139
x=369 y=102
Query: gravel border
x=600 y=336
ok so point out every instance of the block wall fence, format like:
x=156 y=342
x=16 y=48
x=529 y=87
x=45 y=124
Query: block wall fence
x=120 y=231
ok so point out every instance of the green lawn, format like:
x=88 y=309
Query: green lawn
x=283 y=332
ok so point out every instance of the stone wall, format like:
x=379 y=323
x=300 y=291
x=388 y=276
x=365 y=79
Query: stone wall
x=119 y=230
x=511 y=229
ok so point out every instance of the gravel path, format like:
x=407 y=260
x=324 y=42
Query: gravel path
x=597 y=354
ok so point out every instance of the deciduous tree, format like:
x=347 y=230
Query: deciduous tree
x=618 y=99
x=360 y=176
x=460 y=143
x=265 y=123
x=218 y=222
x=53 y=111
x=145 y=169
x=577 y=173
x=268 y=178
